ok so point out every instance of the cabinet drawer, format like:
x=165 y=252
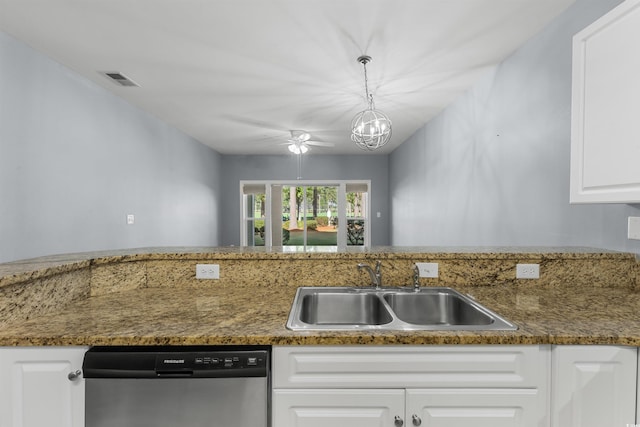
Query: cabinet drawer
x=410 y=366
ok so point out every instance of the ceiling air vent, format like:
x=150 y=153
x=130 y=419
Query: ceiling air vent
x=120 y=79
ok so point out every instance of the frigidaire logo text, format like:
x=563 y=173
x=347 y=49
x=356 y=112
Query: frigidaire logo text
x=173 y=360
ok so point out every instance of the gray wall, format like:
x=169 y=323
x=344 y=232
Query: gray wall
x=493 y=169
x=320 y=167
x=75 y=160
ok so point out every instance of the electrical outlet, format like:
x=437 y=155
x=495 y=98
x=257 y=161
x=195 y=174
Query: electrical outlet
x=131 y=219
x=427 y=269
x=527 y=271
x=207 y=271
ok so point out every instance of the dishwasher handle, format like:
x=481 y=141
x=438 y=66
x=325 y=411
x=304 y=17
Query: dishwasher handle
x=174 y=374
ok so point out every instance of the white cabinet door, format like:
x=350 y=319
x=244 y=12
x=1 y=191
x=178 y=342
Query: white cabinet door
x=476 y=407
x=605 y=131
x=593 y=386
x=337 y=407
x=35 y=389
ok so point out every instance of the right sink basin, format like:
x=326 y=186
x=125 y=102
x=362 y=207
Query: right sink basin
x=437 y=308
x=342 y=308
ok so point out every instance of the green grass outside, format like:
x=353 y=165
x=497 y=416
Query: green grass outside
x=314 y=238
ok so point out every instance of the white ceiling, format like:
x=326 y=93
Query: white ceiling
x=237 y=75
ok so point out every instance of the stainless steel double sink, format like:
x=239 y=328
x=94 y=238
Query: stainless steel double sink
x=427 y=309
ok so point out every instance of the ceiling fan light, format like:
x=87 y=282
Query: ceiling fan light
x=298 y=148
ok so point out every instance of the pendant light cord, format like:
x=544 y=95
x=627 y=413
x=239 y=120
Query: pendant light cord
x=369 y=96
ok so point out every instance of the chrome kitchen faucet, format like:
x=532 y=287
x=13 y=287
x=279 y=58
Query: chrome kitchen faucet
x=376 y=276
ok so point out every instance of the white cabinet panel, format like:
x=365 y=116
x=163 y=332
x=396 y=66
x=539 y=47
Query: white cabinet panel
x=477 y=407
x=409 y=366
x=366 y=385
x=605 y=134
x=337 y=408
x=593 y=386
x=638 y=391
x=35 y=390
x=427 y=407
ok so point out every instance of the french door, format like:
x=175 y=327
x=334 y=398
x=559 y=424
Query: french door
x=305 y=214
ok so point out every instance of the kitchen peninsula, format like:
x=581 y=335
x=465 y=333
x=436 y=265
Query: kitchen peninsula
x=577 y=326
x=150 y=296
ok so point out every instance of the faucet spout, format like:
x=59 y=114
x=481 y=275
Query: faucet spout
x=416 y=278
x=376 y=275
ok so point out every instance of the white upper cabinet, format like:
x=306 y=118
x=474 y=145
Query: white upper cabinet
x=605 y=134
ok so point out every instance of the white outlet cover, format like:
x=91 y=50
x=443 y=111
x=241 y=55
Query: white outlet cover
x=633 y=228
x=131 y=219
x=527 y=271
x=207 y=271
x=427 y=269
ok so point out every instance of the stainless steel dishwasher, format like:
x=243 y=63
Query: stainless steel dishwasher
x=177 y=386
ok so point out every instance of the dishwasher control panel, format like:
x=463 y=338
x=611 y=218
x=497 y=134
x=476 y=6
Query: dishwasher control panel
x=169 y=362
x=208 y=361
x=228 y=362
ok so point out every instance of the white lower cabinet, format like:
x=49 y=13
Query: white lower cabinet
x=477 y=407
x=435 y=386
x=411 y=407
x=337 y=407
x=593 y=386
x=358 y=386
x=36 y=389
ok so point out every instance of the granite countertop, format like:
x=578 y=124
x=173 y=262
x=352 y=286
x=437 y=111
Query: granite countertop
x=18 y=271
x=256 y=313
x=258 y=316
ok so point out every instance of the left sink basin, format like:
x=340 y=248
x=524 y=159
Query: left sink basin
x=328 y=308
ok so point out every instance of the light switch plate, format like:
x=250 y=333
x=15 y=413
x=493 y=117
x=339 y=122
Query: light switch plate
x=633 y=228
x=427 y=269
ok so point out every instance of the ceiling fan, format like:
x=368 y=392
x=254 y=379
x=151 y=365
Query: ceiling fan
x=301 y=140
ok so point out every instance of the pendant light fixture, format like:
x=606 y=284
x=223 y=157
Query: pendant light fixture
x=370 y=129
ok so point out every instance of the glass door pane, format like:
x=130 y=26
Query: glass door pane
x=254 y=219
x=356 y=217
x=309 y=215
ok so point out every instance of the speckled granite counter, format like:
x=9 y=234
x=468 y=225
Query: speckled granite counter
x=150 y=296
